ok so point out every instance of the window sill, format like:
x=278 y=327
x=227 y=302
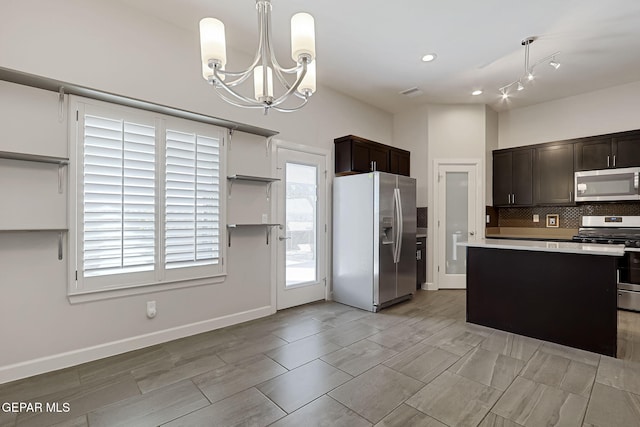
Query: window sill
x=82 y=296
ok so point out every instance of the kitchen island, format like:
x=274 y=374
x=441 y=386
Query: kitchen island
x=563 y=292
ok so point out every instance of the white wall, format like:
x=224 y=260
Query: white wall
x=491 y=144
x=107 y=46
x=410 y=133
x=604 y=111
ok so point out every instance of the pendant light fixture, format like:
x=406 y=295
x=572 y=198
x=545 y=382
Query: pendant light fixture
x=264 y=67
x=528 y=75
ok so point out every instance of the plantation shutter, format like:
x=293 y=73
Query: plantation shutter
x=192 y=200
x=118 y=197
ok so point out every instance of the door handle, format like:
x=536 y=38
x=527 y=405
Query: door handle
x=284 y=238
x=608 y=161
x=472 y=233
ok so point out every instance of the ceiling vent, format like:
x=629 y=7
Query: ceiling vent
x=412 y=92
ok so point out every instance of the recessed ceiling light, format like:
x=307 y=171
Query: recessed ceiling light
x=429 y=57
x=476 y=92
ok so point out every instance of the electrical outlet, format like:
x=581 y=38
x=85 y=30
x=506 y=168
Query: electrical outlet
x=151 y=309
x=536 y=218
x=265 y=218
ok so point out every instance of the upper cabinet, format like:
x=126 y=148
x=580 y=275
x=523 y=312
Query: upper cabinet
x=626 y=149
x=399 y=161
x=619 y=150
x=357 y=155
x=553 y=177
x=513 y=177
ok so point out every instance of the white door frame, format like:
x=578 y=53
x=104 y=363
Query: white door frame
x=278 y=143
x=480 y=207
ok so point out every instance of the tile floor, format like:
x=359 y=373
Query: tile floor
x=325 y=364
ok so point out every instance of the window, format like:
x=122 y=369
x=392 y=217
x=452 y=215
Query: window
x=147 y=206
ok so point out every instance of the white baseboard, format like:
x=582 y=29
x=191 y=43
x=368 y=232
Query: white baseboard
x=429 y=286
x=64 y=360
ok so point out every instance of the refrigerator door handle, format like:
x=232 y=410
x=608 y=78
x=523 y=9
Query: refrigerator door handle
x=398 y=225
x=395 y=225
x=401 y=224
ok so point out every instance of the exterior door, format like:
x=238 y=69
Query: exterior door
x=301 y=209
x=457 y=222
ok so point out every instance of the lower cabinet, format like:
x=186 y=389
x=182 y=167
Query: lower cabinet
x=553 y=177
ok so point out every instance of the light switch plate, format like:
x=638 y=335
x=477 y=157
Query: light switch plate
x=265 y=218
x=536 y=218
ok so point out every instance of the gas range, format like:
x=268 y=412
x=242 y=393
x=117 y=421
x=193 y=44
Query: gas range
x=615 y=230
x=618 y=230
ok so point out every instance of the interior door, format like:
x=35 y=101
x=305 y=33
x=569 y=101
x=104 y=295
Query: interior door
x=457 y=222
x=301 y=209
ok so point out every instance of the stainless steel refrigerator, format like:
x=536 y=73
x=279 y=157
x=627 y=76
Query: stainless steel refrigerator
x=374 y=239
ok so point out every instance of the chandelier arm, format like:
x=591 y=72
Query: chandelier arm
x=247 y=104
x=244 y=76
x=294 y=87
x=222 y=85
x=291 y=110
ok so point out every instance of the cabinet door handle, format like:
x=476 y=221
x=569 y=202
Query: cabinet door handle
x=514 y=198
x=614 y=161
x=608 y=161
x=371 y=166
x=571 y=196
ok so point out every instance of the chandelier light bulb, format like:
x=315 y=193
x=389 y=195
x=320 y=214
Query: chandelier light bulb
x=303 y=39
x=530 y=76
x=212 y=41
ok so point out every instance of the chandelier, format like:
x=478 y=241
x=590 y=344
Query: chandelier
x=528 y=75
x=264 y=65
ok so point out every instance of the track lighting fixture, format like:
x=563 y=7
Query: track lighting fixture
x=528 y=68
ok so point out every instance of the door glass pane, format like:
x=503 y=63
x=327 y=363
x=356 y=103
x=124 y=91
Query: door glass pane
x=301 y=223
x=457 y=214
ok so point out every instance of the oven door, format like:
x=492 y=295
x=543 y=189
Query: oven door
x=607 y=185
x=629 y=281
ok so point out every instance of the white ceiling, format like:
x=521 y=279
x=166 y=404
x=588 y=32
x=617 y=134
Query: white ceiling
x=371 y=49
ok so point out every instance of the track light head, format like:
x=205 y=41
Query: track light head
x=520 y=86
x=555 y=64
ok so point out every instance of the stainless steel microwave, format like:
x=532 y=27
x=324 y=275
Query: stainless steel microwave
x=607 y=185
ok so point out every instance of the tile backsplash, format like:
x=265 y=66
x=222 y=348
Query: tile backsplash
x=569 y=216
x=422 y=218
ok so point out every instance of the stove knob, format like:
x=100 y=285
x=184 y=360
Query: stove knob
x=637 y=242
x=628 y=242
x=594 y=241
x=610 y=241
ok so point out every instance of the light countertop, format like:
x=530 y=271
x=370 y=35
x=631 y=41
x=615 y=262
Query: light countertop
x=562 y=247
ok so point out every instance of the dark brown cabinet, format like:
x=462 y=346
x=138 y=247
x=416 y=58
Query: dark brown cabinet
x=618 y=150
x=627 y=149
x=358 y=155
x=513 y=177
x=399 y=161
x=553 y=176
x=593 y=153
